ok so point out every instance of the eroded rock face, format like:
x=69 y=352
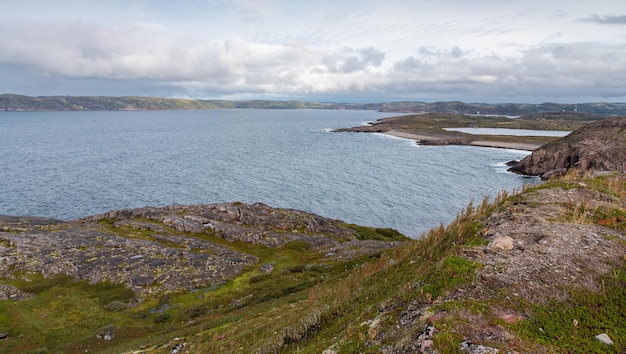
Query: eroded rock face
x=599 y=146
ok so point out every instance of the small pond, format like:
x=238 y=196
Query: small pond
x=505 y=131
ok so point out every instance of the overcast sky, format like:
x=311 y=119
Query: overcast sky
x=340 y=50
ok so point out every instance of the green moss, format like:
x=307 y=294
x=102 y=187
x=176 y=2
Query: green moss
x=301 y=246
x=64 y=314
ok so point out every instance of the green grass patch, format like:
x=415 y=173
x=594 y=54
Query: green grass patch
x=452 y=271
x=63 y=314
x=375 y=233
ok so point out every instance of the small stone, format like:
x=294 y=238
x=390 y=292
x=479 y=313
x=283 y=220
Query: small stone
x=504 y=243
x=267 y=268
x=372 y=332
x=471 y=348
x=4 y=335
x=426 y=344
x=178 y=348
x=108 y=336
x=604 y=338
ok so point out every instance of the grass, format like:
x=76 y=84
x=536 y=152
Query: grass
x=570 y=326
x=63 y=314
x=451 y=272
x=375 y=233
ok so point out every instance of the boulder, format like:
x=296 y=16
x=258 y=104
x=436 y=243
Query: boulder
x=503 y=243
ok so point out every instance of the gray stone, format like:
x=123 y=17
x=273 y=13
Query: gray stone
x=604 y=338
x=471 y=348
x=108 y=336
x=178 y=348
x=267 y=268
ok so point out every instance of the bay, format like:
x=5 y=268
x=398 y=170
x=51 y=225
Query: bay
x=72 y=164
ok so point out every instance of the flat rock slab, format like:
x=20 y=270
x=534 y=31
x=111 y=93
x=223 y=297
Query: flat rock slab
x=156 y=251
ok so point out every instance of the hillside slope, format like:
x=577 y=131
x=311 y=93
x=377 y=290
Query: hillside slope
x=131 y=103
x=541 y=271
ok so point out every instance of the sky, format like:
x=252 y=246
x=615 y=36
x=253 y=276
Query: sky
x=493 y=51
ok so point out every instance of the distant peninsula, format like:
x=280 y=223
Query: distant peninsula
x=14 y=102
x=433 y=128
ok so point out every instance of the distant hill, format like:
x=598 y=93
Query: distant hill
x=12 y=102
x=513 y=109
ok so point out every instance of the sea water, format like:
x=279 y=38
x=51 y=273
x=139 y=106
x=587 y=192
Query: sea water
x=71 y=164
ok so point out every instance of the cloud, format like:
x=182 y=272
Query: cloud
x=150 y=58
x=606 y=20
x=352 y=60
x=556 y=70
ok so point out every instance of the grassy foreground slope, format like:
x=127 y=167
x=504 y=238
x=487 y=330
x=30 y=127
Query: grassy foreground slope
x=559 y=282
x=539 y=271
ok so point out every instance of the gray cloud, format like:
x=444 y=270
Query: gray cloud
x=561 y=70
x=70 y=56
x=606 y=20
x=352 y=60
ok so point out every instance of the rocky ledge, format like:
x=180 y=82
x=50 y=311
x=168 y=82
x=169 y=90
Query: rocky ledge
x=599 y=146
x=163 y=250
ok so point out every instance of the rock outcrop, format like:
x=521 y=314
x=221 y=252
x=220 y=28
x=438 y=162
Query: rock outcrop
x=156 y=251
x=599 y=146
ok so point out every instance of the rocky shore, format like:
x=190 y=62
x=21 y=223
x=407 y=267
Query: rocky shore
x=599 y=146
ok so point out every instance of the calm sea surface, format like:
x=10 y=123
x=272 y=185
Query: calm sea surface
x=72 y=164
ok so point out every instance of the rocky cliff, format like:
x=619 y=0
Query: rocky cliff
x=598 y=146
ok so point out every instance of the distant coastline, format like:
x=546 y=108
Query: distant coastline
x=436 y=128
x=15 y=102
